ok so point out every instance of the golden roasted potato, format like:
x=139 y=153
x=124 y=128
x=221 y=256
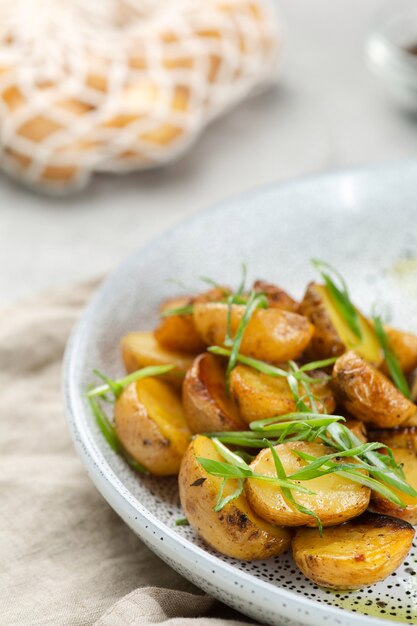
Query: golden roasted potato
x=151 y=426
x=207 y=408
x=333 y=336
x=178 y=332
x=277 y=297
x=358 y=553
x=396 y=437
x=235 y=530
x=336 y=499
x=272 y=334
x=379 y=504
x=141 y=349
x=368 y=394
x=413 y=387
x=404 y=345
x=259 y=396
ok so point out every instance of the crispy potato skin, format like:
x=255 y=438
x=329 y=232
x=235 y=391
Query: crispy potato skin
x=235 y=530
x=207 y=408
x=178 y=332
x=332 y=335
x=326 y=342
x=359 y=553
x=140 y=349
x=277 y=297
x=404 y=346
x=271 y=335
x=151 y=427
x=379 y=504
x=368 y=394
x=259 y=396
x=336 y=499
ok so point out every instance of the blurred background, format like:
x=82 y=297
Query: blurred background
x=326 y=111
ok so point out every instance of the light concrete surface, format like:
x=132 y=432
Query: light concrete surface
x=327 y=112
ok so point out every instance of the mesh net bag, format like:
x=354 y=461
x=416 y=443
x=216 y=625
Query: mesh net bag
x=115 y=85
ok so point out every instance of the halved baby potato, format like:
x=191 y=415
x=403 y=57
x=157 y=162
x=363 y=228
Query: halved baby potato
x=333 y=335
x=379 y=504
x=368 y=394
x=235 y=530
x=358 y=553
x=259 y=396
x=277 y=297
x=271 y=335
x=151 y=426
x=141 y=349
x=404 y=345
x=207 y=408
x=335 y=500
x=178 y=332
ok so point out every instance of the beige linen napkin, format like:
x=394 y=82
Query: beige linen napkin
x=66 y=558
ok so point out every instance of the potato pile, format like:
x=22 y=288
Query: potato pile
x=163 y=424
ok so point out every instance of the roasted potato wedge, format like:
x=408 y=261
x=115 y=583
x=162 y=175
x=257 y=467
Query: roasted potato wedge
x=336 y=498
x=404 y=345
x=277 y=297
x=151 y=426
x=235 y=530
x=141 y=349
x=379 y=504
x=259 y=396
x=368 y=394
x=333 y=336
x=207 y=408
x=358 y=553
x=178 y=332
x=271 y=335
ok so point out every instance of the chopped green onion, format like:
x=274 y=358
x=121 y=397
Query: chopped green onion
x=180 y=310
x=106 y=427
x=117 y=386
x=254 y=302
x=222 y=501
x=182 y=521
x=340 y=296
x=391 y=358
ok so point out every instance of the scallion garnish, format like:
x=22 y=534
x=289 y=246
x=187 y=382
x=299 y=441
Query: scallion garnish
x=104 y=424
x=117 y=386
x=339 y=295
x=391 y=359
x=182 y=521
x=255 y=301
x=180 y=310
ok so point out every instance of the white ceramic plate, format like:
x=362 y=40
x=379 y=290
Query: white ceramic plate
x=365 y=223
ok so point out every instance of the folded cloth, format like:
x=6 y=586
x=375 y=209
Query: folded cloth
x=66 y=558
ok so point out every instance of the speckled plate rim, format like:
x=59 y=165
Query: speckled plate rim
x=168 y=544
